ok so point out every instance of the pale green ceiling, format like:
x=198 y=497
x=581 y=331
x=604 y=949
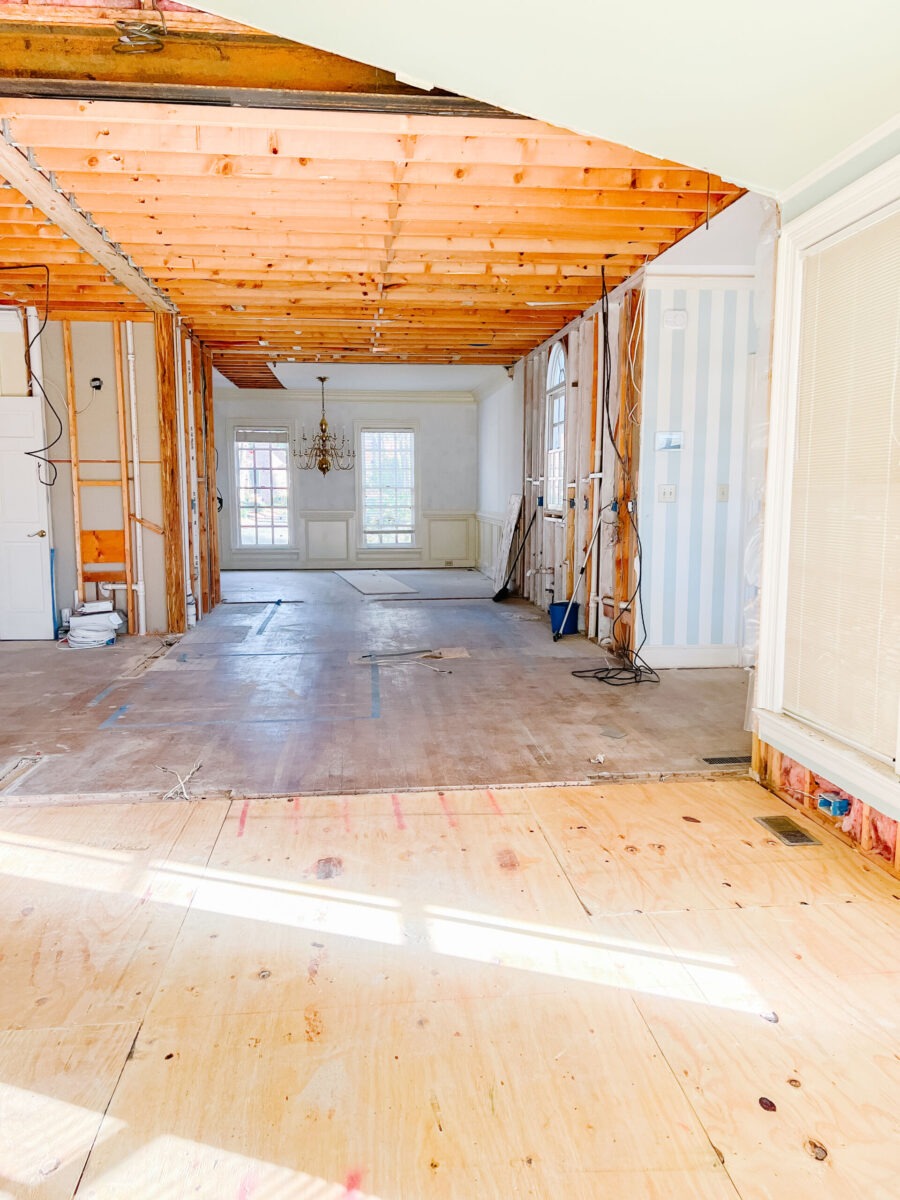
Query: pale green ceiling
x=762 y=92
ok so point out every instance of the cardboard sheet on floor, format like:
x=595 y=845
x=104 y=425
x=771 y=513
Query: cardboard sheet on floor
x=374 y=583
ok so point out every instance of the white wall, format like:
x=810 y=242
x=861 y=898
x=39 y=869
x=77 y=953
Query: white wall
x=324 y=510
x=759 y=93
x=500 y=442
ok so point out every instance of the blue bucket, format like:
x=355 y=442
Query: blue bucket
x=557 y=614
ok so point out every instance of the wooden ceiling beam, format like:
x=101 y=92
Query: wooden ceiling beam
x=220 y=171
x=362 y=195
x=18 y=165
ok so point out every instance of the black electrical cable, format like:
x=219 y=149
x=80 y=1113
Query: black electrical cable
x=41 y=455
x=635 y=669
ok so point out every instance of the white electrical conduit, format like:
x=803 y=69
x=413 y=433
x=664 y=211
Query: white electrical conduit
x=195 y=487
x=137 y=512
x=182 y=472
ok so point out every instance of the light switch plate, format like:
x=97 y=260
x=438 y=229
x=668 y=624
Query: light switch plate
x=666 y=493
x=722 y=491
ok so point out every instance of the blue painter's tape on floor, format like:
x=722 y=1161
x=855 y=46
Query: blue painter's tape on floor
x=271 y=614
x=376 y=693
x=110 y=722
x=101 y=696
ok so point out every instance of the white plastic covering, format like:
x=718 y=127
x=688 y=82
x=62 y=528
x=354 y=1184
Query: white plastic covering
x=758 y=431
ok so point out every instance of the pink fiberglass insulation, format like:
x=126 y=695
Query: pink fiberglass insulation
x=853 y=821
x=884 y=835
x=802 y=785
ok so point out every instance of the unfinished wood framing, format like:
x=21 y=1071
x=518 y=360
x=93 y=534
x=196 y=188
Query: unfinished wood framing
x=173 y=518
x=627 y=421
x=410 y=238
x=874 y=835
x=75 y=50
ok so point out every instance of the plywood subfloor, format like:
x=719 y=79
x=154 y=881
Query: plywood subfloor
x=270 y=698
x=625 y=991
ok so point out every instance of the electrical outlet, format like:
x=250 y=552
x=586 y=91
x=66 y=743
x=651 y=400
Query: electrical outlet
x=666 y=493
x=722 y=491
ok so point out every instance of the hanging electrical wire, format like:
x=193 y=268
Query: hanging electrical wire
x=41 y=454
x=635 y=669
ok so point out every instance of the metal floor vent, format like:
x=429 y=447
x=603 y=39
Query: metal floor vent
x=728 y=760
x=788 y=831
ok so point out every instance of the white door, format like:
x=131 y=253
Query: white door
x=26 y=603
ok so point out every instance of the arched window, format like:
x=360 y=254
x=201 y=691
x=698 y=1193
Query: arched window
x=554 y=484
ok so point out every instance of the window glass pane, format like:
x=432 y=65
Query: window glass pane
x=264 y=512
x=387 y=486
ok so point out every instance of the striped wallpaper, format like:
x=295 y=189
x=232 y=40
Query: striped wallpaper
x=695 y=384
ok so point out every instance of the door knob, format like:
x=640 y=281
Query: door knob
x=40 y=533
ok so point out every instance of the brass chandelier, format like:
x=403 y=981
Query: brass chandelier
x=323 y=452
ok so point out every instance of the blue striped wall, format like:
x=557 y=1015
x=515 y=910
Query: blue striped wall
x=696 y=383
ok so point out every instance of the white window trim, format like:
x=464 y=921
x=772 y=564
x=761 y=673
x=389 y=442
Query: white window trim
x=549 y=396
x=863 y=203
x=379 y=425
x=260 y=422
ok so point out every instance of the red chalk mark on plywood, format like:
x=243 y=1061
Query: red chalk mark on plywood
x=448 y=811
x=242 y=819
x=496 y=807
x=345 y=810
x=247 y=1187
x=398 y=812
x=353 y=1182
x=296 y=814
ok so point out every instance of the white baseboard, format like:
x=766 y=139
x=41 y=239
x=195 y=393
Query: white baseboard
x=664 y=658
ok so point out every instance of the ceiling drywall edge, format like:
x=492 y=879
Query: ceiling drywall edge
x=762 y=94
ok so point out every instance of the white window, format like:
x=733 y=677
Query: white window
x=388 y=487
x=554 y=486
x=261 y=466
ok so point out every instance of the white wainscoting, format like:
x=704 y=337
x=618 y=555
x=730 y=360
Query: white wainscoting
x=451 y=538
x=327 y=540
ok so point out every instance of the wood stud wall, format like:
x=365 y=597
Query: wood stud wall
x=559 y=544
x=173 y=510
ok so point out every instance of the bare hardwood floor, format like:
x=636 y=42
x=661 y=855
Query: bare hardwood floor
x=269 y=694
x=627 y=991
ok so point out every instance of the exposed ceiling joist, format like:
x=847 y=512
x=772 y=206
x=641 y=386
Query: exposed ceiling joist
x=339 y=236
x=191 y=57
x=19 y=166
